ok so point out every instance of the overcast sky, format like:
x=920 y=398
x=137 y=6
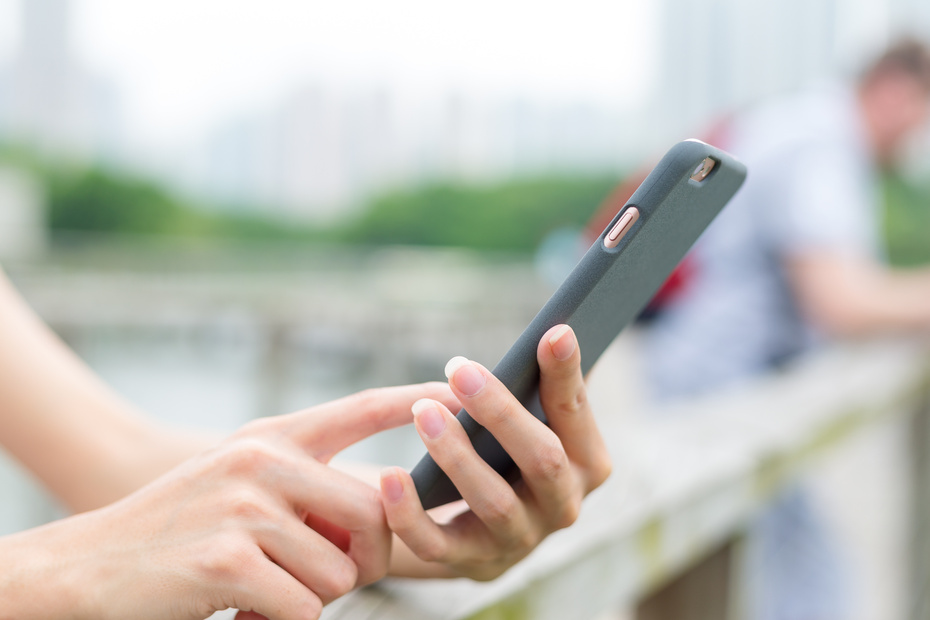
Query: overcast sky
x=180 y=65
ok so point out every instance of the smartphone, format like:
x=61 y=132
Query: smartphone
x=608 y=288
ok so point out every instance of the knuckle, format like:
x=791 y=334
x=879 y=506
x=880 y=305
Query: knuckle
x=225 y=561
x=601 y=468
x=247 y=504
x=569 y=513
x=433 y=549
x=499 y=511
x=368 y=510
x=367 y=399
x=488 y=574
x=372 y=403
x=580 y=402
x=339 y=580
x=248 y=455
x=499 y=415
x=574 y=405
x=372 y=572
x=310 y=607
x=527 y=541
x=437 y=388
x=550 y=462
x=259 y=427
x=453 y=456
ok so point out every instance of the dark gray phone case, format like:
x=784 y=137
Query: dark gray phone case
x=606 y=290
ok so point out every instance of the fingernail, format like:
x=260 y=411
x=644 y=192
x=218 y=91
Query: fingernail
x=562 y=343
x=466 y=377
x=391 y=486
x=429 y=418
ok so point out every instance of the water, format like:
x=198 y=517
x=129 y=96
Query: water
x=219 y=382
x=198 y=346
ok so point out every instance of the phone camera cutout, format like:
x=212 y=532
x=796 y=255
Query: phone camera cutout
x=703 y=170
x=621 y=228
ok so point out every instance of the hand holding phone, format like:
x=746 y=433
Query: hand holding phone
x=560 y=463
x=608 y=288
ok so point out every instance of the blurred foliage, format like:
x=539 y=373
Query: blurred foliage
x=906 y=220
x=514 y=215
x=510 y=216
x=82 y=198
x=95 y=200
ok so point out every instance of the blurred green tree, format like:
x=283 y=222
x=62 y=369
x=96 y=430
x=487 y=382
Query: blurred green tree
x=98 y=200
x=513 y=215
x=94 y=200
x=906 y=220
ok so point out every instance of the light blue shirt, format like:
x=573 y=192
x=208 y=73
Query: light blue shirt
x=811 y=184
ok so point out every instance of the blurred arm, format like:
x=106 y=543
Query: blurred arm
x=847 y=295
x=84 y=442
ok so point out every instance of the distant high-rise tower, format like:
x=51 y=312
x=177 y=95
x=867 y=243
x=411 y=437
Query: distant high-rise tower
x=46 y=34
x=52 y=104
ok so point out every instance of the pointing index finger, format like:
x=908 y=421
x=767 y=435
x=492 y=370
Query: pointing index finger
x=329 y=428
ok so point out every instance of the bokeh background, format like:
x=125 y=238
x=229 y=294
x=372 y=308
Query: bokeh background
x=233 y=209
x=483 y=126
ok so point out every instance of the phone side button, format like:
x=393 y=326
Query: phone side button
x=621 y=228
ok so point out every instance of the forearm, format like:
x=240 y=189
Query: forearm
x=901 y=300
x=849 y=296
x=44 y=572
x=83 y=441
x=227 y=528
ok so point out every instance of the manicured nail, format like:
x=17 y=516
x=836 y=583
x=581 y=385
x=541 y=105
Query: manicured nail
x=562 y=343
x=391 y=486
x=429 y=418
x=466 y=377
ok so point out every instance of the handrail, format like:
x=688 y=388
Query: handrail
x=688 y=480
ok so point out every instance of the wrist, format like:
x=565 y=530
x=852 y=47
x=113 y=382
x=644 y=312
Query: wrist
x=133 y=459
x=45 y=574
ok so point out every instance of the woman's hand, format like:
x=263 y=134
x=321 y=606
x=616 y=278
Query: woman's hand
x=560 y=464
x=258 y=523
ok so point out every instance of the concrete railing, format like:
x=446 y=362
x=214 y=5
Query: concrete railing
x=663 y=538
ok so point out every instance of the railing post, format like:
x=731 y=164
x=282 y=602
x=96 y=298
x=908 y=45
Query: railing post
x=707 y=591
x=920 y=516
x=274 y=368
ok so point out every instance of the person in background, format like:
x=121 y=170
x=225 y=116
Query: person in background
x=175 y=525
x=796 y=258
x=793 y=261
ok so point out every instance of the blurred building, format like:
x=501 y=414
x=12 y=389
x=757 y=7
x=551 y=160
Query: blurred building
x=326 y=147
x=315 y=152
x=47 y=101
x=719 y=55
